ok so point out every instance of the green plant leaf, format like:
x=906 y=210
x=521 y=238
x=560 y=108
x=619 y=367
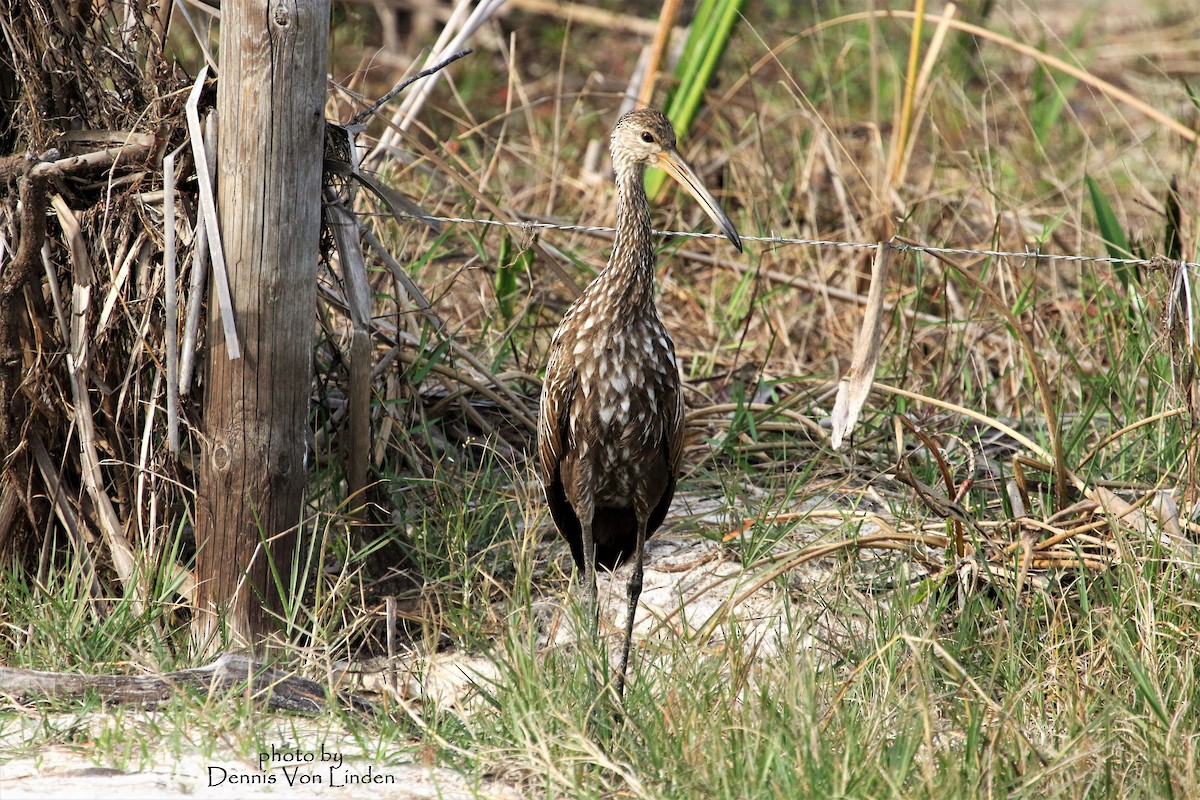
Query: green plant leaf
x=708 y=35
x=1116 y=242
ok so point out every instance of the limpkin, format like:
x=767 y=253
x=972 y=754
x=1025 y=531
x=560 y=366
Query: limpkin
x=610 y=433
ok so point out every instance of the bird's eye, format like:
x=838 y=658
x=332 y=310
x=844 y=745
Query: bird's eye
x=647 y=137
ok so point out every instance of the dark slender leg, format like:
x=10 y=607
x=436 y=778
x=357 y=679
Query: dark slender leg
x=589 y=575
x=635 y=592
x=598 y=671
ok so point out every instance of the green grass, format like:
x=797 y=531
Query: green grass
x=1085 y=688
x=931 y=700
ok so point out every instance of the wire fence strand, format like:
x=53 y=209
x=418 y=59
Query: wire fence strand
x=1037 y=255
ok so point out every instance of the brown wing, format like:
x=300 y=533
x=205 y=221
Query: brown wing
x=672 y=411
x=553 y=442
x=558 y=390
x=672 y=408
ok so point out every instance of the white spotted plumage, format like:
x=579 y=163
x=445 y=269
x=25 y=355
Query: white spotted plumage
x=610 y=431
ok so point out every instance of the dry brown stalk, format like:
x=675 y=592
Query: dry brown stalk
x=855 y=385
x=354 y=274
x=79 y=364
x=658 y=46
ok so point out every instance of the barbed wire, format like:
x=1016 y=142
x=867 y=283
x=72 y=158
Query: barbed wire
x=531 y=225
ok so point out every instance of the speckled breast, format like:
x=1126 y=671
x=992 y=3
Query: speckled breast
x=624 y=379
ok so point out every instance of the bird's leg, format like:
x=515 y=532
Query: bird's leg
x=598 y=661
x=589 y=573
x=584 y=502
x=635 y=592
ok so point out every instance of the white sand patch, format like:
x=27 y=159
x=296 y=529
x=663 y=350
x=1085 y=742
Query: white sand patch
x=64 y=775
x=319 y=766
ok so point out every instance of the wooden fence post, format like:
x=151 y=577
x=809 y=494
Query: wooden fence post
x=270 y=106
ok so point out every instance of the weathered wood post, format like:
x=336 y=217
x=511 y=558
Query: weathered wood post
x=270 y=106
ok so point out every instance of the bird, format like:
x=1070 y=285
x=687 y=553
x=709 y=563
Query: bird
x=610 y=427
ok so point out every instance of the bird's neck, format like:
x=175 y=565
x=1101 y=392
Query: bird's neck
x=630 y=271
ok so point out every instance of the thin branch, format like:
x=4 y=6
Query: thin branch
x=362 y=116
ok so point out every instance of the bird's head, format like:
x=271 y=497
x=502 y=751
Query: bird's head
x=641 y=137
x=644 y=138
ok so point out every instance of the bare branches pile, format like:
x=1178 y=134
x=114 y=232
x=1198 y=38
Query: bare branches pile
x=92 y=106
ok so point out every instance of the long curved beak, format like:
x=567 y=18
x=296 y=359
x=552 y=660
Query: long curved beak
x=673 y=164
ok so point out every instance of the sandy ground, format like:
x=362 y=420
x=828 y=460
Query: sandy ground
x=65 y=775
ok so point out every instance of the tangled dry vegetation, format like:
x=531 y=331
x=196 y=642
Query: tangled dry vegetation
x=81 y=321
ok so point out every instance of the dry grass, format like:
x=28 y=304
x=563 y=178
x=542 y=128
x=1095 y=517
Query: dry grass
x=968 y=627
